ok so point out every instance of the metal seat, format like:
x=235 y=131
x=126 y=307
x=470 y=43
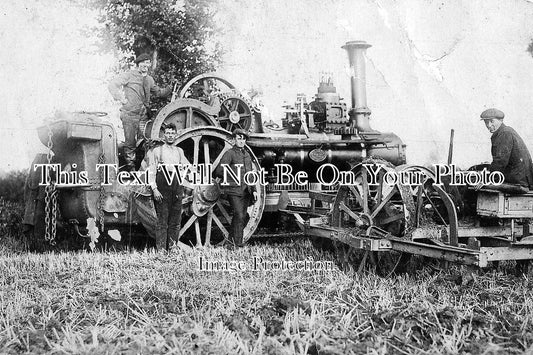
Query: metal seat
x=499 y=204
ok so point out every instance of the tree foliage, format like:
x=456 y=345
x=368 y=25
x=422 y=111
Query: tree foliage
x=180 y=34
x=12 y=186
x=530 y=48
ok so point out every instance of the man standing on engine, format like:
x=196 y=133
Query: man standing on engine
x=240 y=195
x=510 y=155
x=134 y=89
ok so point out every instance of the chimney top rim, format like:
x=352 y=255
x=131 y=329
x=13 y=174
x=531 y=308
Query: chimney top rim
x=356 y=44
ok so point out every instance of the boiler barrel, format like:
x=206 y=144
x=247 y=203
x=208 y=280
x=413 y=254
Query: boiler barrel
x=343 y=153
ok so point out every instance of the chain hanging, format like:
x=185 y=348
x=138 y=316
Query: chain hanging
x=101 y=197
x=50 y=199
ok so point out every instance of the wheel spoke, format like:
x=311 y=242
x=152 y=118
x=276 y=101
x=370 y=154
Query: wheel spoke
x=223 y=211
x=197 y=232
x=196 y=148
x=205 y=84
x=383 y=203
x=186 y=183
x=435 y=208
x=225 y=110
x=208 y=227
x=207 y=158
x=365 y=191
x=227 y=147
x=419 y=202
x=357 y=195
x=349 y=212
x=188 y=119
x=234 y=103
x=187 y=225
x=380 y=184
x=221 y=226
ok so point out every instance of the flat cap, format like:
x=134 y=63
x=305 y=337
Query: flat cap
x=492 y=113
x=241 y=132
x=142 y=58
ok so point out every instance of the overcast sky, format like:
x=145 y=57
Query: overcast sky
x=433 y=66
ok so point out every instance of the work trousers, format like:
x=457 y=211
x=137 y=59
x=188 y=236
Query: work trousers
x=240 y=207
x=132 y=125
x=168 y=212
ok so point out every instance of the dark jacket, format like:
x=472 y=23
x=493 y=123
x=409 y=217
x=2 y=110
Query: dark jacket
x=137 y=89
x=511 y=157
x=233 y=157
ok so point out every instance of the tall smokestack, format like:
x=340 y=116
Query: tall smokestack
x=360 y=111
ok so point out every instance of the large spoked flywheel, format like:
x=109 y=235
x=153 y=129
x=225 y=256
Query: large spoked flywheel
x=184 y=114
x=204 y=87
x=207 y=213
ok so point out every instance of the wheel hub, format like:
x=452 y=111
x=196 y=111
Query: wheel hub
x=204 y=198
x=234 y=117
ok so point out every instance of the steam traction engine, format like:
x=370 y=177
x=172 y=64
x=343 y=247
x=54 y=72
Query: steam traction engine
x=206 y=110
x=385 y=221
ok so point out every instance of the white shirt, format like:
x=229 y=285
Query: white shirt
x=163 y=154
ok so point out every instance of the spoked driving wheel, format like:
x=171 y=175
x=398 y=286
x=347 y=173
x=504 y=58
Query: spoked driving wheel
x=435 y=209
x=374 y=206
x=207 y=213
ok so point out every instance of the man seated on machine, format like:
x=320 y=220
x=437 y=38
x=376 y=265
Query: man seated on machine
x=510 y=155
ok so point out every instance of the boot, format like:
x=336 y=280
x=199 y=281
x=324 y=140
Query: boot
x=161 y=244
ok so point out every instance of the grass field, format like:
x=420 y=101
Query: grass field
x=142 y=302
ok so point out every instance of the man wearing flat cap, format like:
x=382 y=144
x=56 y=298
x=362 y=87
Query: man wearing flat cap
x=239 y=194
x=133 y=89
x=510 y=155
